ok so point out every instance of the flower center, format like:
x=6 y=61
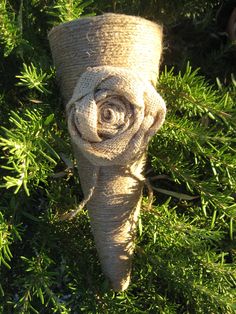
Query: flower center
x=114 y=114
x=107 y=115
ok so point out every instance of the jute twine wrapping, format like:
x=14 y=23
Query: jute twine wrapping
x=106 y=67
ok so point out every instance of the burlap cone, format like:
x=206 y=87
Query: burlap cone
x=106 y=66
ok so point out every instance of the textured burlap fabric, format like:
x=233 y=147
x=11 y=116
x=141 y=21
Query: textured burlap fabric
x=106 y=67
x=112 y=114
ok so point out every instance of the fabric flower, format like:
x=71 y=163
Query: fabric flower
x=112 y=115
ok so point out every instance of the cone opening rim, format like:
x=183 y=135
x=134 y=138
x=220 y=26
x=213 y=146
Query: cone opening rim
x=100 y=17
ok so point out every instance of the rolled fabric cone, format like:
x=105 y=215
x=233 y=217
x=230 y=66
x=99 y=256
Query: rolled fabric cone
x=106 y=67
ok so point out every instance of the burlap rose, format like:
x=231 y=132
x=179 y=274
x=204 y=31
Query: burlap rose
x=112 y=114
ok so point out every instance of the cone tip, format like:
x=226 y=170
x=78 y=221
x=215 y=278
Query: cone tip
x=122 y=285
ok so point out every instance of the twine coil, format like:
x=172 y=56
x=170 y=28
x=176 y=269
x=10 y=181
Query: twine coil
x=110 y=39
x=106 y=67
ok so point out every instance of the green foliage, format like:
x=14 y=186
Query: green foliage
x=34 y=78
x=36 y=284
x=185 y=252
x=66 y=11
x=183 y=261
x=10 y=27
x=28 y=154
x=170 y=11
x=8 y=232
x=200 y=129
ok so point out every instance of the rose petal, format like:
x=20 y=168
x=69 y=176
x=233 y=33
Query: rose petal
x=86 y=119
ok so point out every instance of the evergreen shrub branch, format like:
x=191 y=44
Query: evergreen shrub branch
x=196 y=145
x=195 y=97
x=28 y=156
x=6 y=239
x=10 y=27
x=183 y=260
x=66 y=11
x=34 y=78
x=37 y=284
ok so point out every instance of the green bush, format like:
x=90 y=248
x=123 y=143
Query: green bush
x=185 y=258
